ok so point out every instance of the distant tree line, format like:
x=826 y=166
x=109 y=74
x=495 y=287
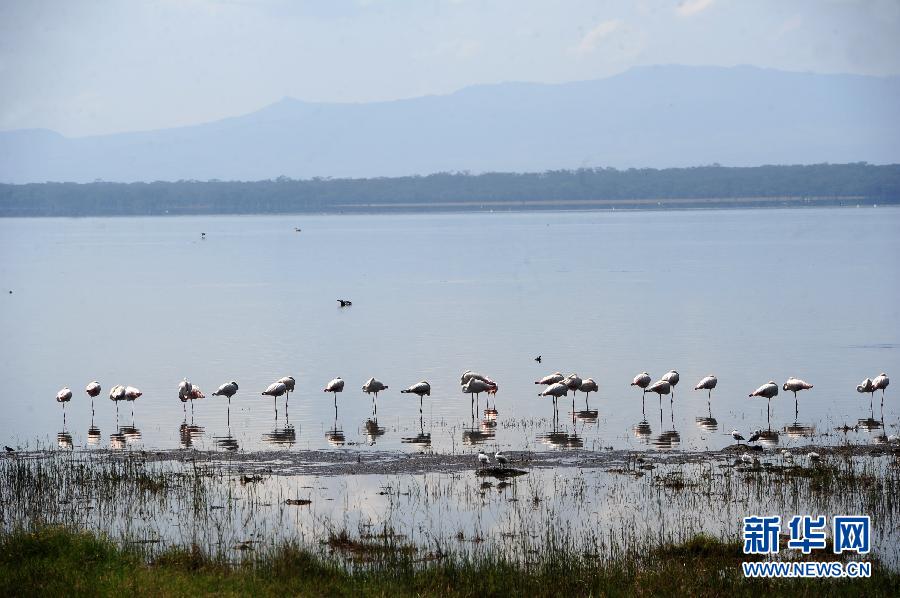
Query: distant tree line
x=730 y=186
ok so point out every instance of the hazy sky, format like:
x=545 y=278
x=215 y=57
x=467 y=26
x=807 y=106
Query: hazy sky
x=90 y=67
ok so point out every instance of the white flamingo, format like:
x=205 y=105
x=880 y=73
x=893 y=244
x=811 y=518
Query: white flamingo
x=275 y=390
x=289 y=384
x=866 y=386
x=573 y=382
x=92 y=389
x=642 y=381
x=131 y=395
x=422 y=389
x=116 y=394
x=708 y=383
x=588 y=386
x=476 y=386
x=335 y=386
x=795 y=384
x=374 y=386
x=551 y=379
x=470 y=375
x=880 y=383
x=672 y=378
x=64 y=396
x=766 y=391
x=228 y=390
x=660 y=387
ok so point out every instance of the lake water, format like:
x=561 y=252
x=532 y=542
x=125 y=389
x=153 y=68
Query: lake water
x=749 y=295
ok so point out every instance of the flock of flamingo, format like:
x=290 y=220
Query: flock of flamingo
x=473 y=384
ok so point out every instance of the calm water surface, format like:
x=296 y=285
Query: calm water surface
x=747 y=295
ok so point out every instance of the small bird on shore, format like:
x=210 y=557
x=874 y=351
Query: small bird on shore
x=551 y=379
x=501 y=458
x=9 y=449
x=746 y=458
x=813 y=456
x=345 y=302
x=737 y=436
x=708 y=383
x=755 y=436
x=483 y=459
x=795 y=384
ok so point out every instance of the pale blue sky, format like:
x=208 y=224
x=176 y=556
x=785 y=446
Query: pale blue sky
x=84 y=68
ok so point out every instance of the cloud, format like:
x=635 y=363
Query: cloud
x=593 y=37
x=688 y=8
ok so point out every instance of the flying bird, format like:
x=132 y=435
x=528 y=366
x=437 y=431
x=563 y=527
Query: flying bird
x=538 y=359
x=345 y=302
x=551 y=379
x=708 y=383
x=795 y=384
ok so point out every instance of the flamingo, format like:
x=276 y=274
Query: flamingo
x=373 y=387
x=422 y=389
x=588 y=386
x=64 y=396
x=229 y=389
x=767 y=391
x=866 y=386
x=335 y=386
x=672 y=378
x=483 y=459
x=92 y=389
x=795 y=384
x=642 y=381
x=275 y=390
x=289 y=384
x=131 y=395
x=660 y=387
x=476 y=386
x=501 y=459
x=116 y=394
x=469 y=375
x=551 y=379
x=572 y=381
x=708 y=383
x=880 y=383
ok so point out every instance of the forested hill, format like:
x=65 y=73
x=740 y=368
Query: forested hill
x=598 y=188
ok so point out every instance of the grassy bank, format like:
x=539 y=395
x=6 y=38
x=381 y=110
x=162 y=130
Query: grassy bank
x=54 y=561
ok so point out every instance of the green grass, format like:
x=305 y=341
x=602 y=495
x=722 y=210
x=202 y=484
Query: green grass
x=54 y=561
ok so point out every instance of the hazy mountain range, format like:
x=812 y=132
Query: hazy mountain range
x=660 y=116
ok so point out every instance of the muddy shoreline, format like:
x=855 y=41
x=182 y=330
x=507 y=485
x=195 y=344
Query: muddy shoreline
x=349 y=462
